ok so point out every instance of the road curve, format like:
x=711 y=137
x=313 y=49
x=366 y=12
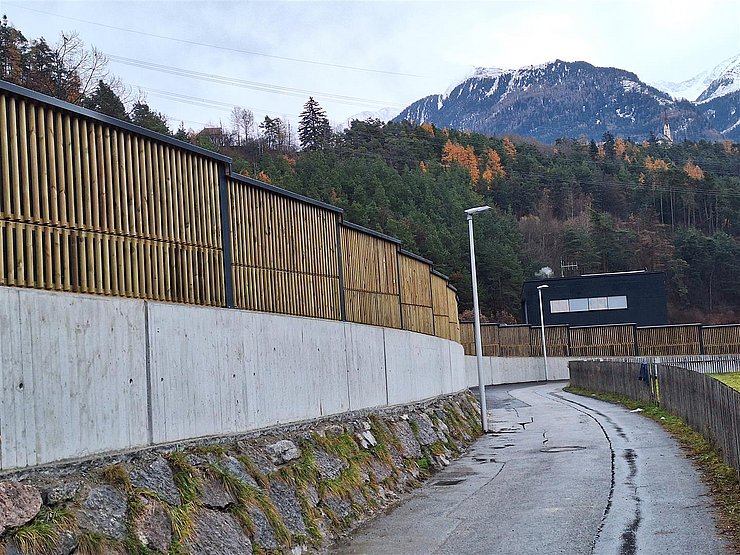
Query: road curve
x=559 y=474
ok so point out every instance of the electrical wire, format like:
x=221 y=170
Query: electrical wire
x=219 y=47
x=254 y=85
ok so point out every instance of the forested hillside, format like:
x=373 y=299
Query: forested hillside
x=608 y=207
x=612 y=206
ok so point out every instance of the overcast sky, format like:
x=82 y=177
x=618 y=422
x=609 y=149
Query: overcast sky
x=361 y=56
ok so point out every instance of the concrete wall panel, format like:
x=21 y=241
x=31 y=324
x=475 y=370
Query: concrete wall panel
x=416 y=365
x=13 y=450
x=198 y=366
x=500 y=370
x=79 y=387
x=83 y=375
x=365 y=366
x=300 y=369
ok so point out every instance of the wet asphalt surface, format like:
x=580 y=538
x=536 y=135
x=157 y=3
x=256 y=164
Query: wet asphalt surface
x=558 y=473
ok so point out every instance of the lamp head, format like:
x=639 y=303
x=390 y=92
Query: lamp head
x=471 y=211
x=543 y=286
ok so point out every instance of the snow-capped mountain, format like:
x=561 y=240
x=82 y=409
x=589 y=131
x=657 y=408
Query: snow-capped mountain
x=384 y=115
x=726 y=82
x=692 y=89
x=570 y=99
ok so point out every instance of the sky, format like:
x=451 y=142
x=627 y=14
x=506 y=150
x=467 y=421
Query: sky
x=195 y=60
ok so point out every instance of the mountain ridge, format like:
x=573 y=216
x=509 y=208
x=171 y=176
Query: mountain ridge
x=569 y=99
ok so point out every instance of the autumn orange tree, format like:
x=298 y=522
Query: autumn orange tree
x=464 y=156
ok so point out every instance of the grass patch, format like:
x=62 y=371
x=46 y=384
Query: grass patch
x=732 y=379
x=721 y=479
x=42 y=535
x=117 y=475
x=91 y=543
x=248 y=496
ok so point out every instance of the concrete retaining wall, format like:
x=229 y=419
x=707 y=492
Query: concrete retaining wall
x=85 y=375
x=499 y=370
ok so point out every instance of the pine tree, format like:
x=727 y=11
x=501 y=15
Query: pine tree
x=105 y=100
x=314 y=130
x=144 y=116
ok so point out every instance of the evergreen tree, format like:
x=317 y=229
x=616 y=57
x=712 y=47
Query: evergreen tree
x=145 y=117
x=275 y=134
x=314 y=130
x=181 y=133
x=12 y=48
x=105 y=100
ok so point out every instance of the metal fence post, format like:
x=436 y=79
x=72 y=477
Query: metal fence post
x=226 y=234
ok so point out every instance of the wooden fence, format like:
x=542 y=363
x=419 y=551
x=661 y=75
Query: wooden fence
x=704 y=403
x=617 y=378
x=620 y=340
x=416 y=292
x=707 y=405
x=91 y=204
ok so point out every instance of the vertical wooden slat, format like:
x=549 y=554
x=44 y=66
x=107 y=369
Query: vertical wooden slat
x=124 y=180
x=51 y=143
x=7 y=208
x=14 y=160
x=43 y=165
x=33 y=163
x=95 y=174
x=24 y=164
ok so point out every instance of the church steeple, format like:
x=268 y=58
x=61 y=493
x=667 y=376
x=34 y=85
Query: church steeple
x=666 y=128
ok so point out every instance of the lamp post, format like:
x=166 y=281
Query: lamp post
x=476 y=313
x=542 y=326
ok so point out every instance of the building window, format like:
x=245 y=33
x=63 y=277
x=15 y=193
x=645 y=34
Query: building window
x=617 y=302
x=598 y=303
x=561 y=306
x=578 y=305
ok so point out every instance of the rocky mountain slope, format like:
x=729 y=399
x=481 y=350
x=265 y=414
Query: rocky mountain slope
x=571 y=99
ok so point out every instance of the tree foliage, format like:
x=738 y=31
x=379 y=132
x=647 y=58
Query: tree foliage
x=314 y=130
x=614 y=206
x=609 y=206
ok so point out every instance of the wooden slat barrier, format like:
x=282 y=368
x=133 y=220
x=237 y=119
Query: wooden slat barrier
x=721 y=340
x=45 y=257
x=556 y=338
x=609 y=341
x=707 y=405
x=669 y=340
x=284 y=253
x=455 y=330
x=82 y=209
x=370 y=271
x=94 y=205
x=440 y=306
x=514 y=341
x=416 y=294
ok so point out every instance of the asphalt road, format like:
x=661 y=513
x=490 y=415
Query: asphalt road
x=559 y=474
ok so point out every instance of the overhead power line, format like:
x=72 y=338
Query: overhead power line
x=253 y=85
x=198 y=101
x=218 y=46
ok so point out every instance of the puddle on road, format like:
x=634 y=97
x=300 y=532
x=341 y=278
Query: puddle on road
x=443 y=483
x=563 y=449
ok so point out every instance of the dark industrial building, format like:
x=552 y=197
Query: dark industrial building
x=597 y=299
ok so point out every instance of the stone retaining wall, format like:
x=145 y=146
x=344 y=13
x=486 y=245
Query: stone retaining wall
x=291 y=489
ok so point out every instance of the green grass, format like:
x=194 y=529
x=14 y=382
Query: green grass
x=732 y=379
x=721 y=479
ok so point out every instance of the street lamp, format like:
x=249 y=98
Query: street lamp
x=476 y=313
x=542 y=325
